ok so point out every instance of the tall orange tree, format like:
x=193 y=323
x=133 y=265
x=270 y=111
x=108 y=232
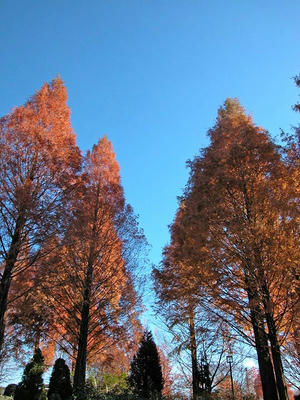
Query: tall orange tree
x=30 y=318
x=238 y=193
x=39 y=159
x=292 y=345
x=175 y=298
x=93 y=280
x=181 y=284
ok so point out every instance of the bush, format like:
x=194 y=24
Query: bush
x=146 y=378
x=60 y=387
x=31 y=386
x=10 y=390
x=88 y=392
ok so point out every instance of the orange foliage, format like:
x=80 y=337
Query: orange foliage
x=89 y=279
x=38 y=163
x=166 y=371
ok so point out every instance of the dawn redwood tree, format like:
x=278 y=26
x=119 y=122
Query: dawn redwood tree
x=31 y=387
x=238 y=195
x=292 y=343
x=146 y=377
x=31 y=319
x=198 y=333
x=166 y=370
x=177 y=307
x=60 y=386
x=38 y=163
x=178 y=302
x=90 y=281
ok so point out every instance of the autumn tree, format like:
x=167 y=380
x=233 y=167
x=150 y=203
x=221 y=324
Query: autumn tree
x=39 y=159
x=237 y=195
x=91 y=278
x=30 y=319
x=175 y=300
x=194 y=329
x=110 y=368
x=235 y=229
x=291 y=154
x=166 y=369
x=145 y=376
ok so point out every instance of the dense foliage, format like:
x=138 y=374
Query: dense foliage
x=236 y=227
x=146 y=378
x=58 y=291
x=31 y=387
x=60 y=387
x=70 y=247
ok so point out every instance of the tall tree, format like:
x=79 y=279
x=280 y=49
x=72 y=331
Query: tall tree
x=39 y=159
x=30 y=319
x=291 y=153
x=99 y=306
x=193 y=328
x=237 y=192
x=146 y=377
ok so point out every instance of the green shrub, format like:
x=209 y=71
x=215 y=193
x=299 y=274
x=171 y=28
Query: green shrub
x=31 y=387
x=145 y=379
x=60 y=387
x=10 y=390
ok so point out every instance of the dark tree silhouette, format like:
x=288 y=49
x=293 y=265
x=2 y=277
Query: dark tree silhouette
x=146 y=377
x=60 y=387
x=10 y=389
x=31 y=386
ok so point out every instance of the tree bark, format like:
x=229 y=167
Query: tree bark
x=261 y=343
x=275 y=347
x=193 y=347
x=6 y=278
x=80 y=365
x=257 y=318
x=272 y=330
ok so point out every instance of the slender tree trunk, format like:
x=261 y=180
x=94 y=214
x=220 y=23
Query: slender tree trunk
x=80 y=365
x=264 y=359
x=37 y=340
x=258 y=322
x=261 y=343
x=193 y=347
x=277 y=361
x=275 y=347
x=272 y=330
x=6 y=278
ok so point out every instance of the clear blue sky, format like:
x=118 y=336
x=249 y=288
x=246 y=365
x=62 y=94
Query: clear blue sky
x=151 y=74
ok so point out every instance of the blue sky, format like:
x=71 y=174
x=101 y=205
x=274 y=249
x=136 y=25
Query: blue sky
x=151 y=74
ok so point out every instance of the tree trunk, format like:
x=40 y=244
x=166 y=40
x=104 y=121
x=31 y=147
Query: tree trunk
x=272 y=330
x=80 y=365
x=261 y=343
x=6 y=278
x=264 y=359
x=193 y=347
x=37 y=340
x=278 y=367
x=275 y=348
